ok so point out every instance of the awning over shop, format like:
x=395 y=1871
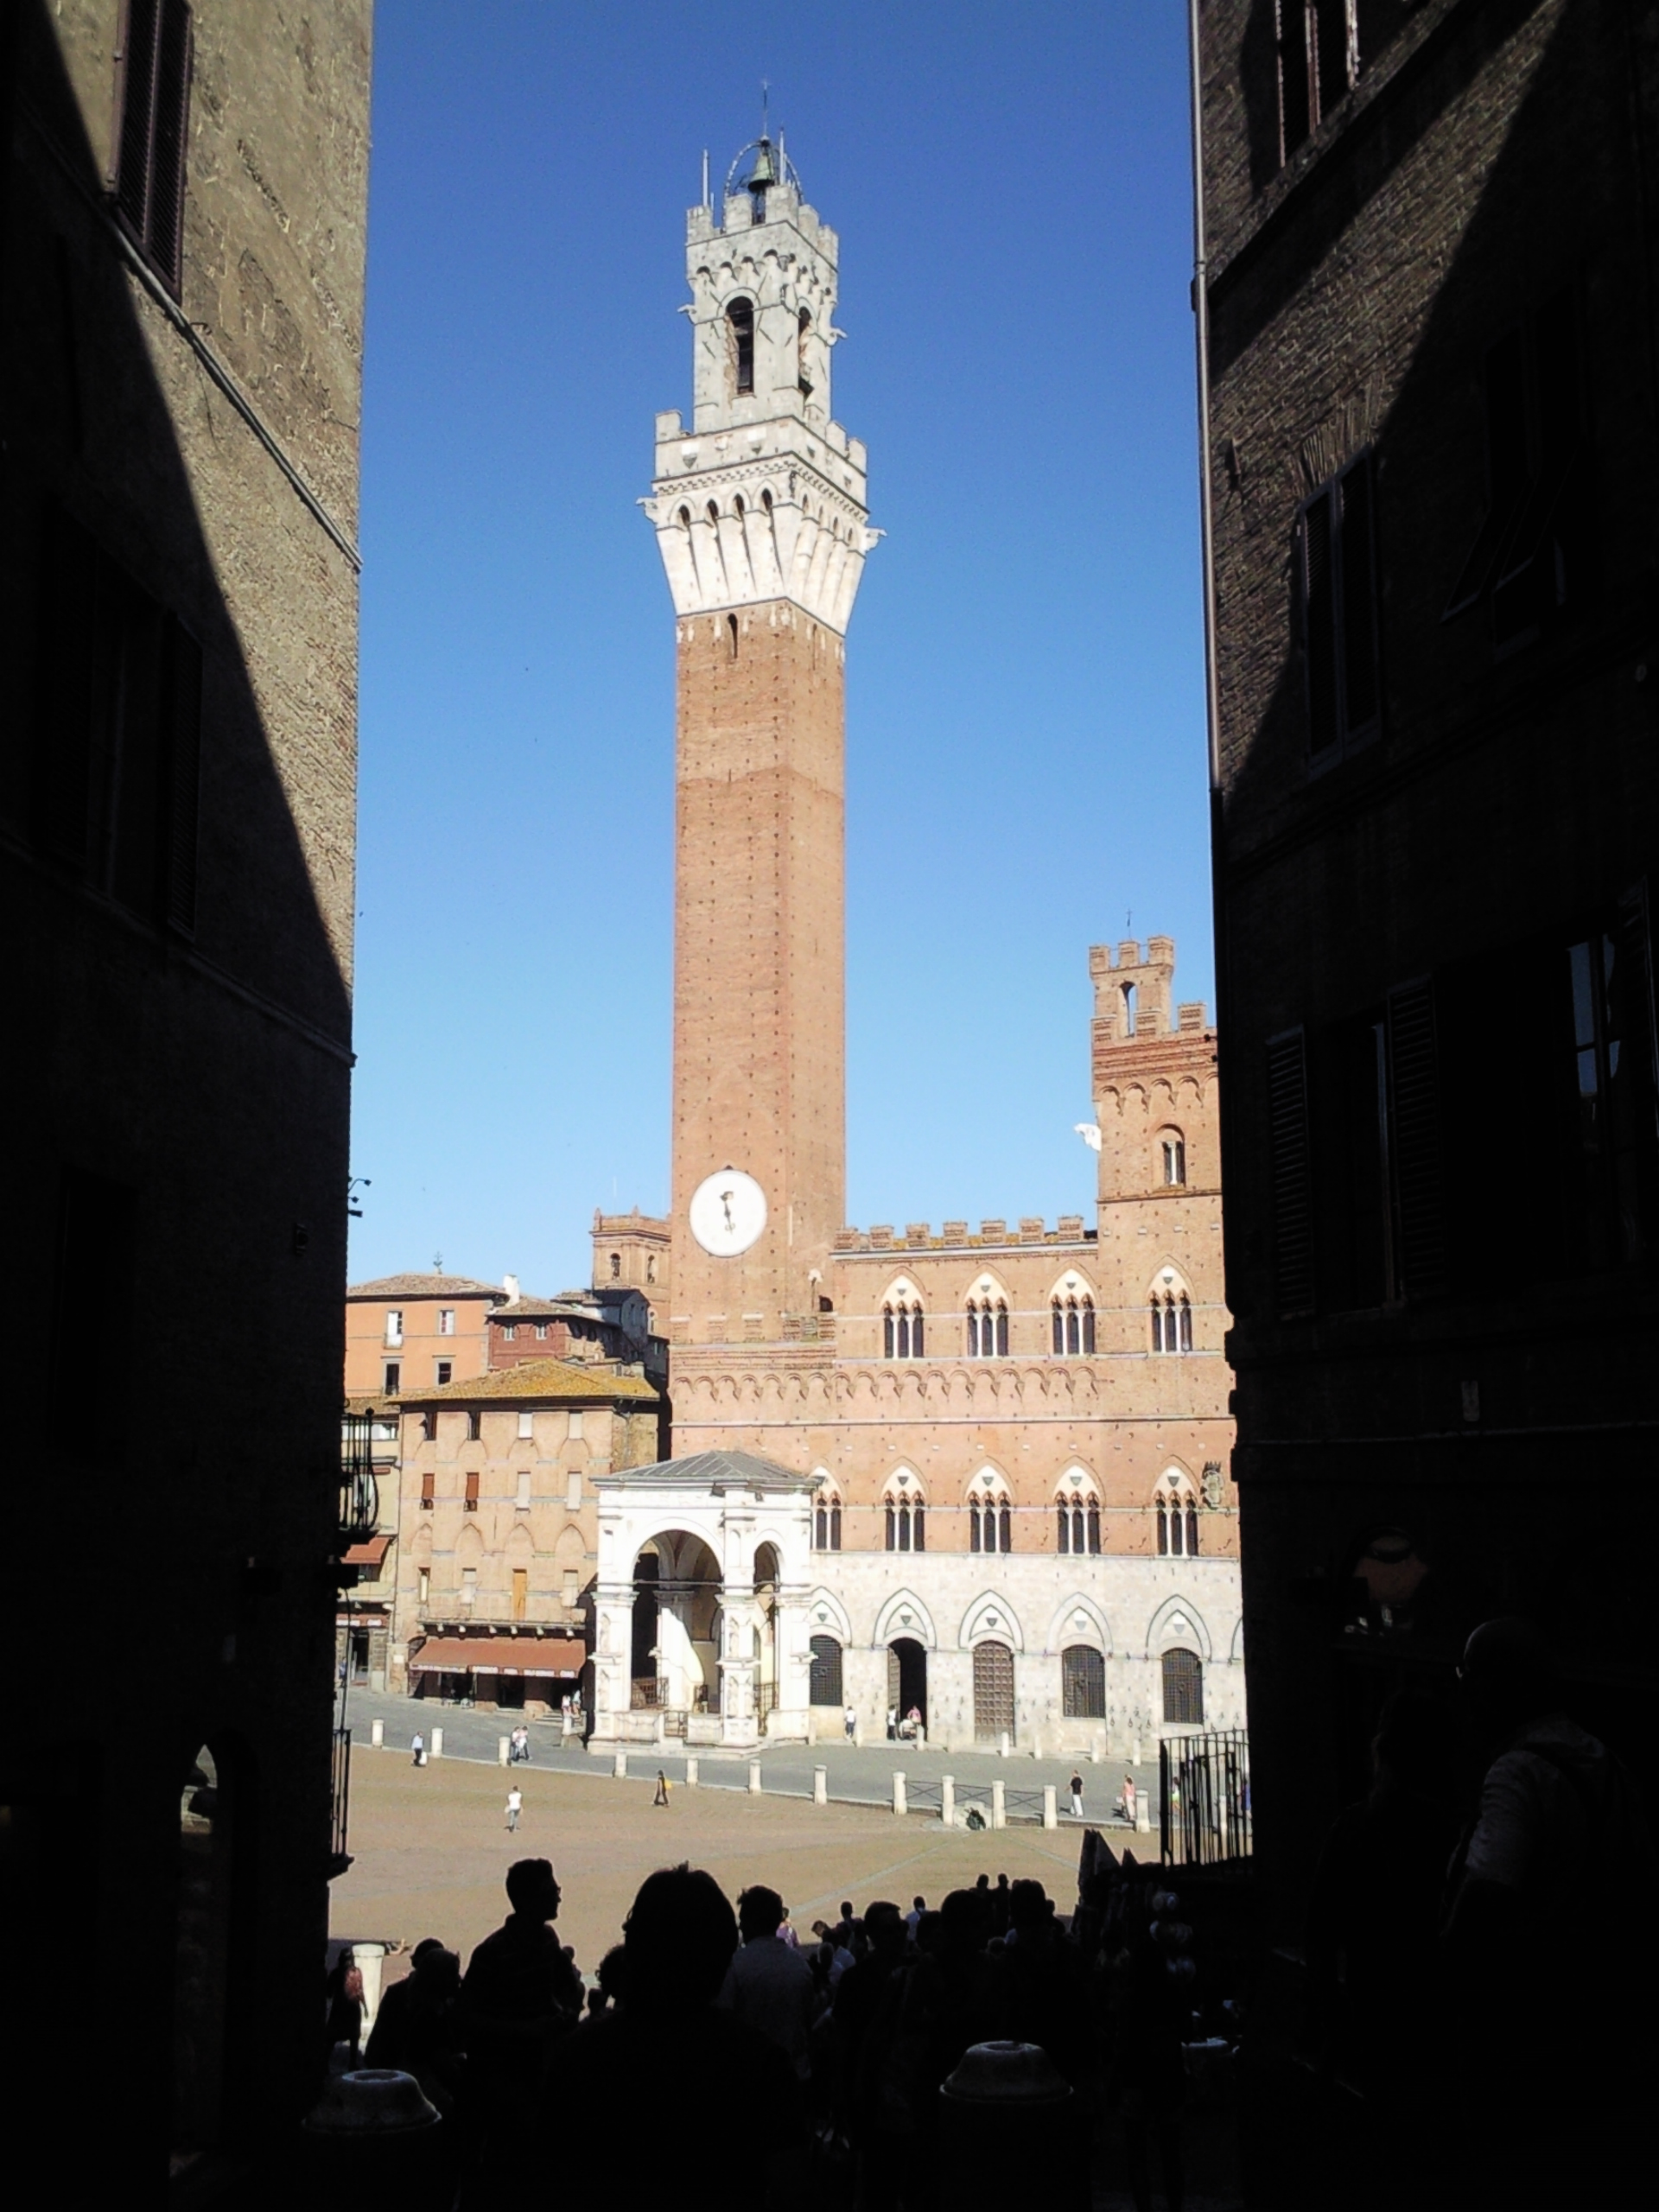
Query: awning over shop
x=560 y=1657
x=370 y=1553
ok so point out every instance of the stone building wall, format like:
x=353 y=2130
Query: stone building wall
x=177 y=893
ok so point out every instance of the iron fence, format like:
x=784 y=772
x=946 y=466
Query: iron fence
x=1203 y=1793
x=359 y=1492
x=340 y=1801
x=1023 y=1804
x=922 y=1796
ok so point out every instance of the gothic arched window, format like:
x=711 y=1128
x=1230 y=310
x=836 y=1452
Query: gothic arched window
x=802 y=376
x=826 y=1519
x=1073 y=1324
x=1172 y=1321
x=902 y=1325
x=740 y=322
x=1176 y=1509
x=988 y=1327
x=1175 y=1148
x=990 y=1514
x=904 y=1509
x=1076 y=1509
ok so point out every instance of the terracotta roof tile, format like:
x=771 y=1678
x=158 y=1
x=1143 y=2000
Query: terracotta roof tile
x=425 y=1286
x=534 y=1379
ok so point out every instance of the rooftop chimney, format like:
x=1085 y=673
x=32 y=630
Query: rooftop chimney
x=510 y=1284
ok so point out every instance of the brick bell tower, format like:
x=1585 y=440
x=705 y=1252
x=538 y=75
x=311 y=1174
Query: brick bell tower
x=759 y=509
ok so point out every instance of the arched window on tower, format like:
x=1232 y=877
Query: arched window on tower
x=1129 y=1009
x=731 y=634
x=1171 y=1320
x=990 y=1514
x=988 y=1326
x=740 y=322
x=1176 y=1509
x=1076 y=1510
x=803 y=374
x=1072 y=1317
x=905 y=1510
x=616 y=1266
x=1174 y=1151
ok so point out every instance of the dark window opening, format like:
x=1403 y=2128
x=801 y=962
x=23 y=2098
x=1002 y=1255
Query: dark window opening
x=429 y=1489
x=154 y=131
x=1183 y=1688
x=803 y=378
x=826 y=1686
x=470 y=1499
x=740 y=319
x=1610 y=1185
x=1533 y=554
x=1336 y=570
x=1083 y=1683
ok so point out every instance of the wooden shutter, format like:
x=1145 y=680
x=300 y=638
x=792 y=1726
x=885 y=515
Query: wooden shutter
x=1293 y=1254
x=138 y=113
x=1320 y=622
x=182 y=708
x=1415 y=1140
x=153 y=130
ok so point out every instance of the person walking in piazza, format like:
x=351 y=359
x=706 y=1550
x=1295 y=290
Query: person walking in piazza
x=519 y=1745
x=417 y=1750
x=1076 y=1795
x=515 y=1805
x=850 y=1722
x=661 y=1798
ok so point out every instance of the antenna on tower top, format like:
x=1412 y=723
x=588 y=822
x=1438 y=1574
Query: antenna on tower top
x=705 y=176
x=765 y=108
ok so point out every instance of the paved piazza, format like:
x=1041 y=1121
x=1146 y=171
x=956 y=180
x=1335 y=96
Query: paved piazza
x=430 y=1851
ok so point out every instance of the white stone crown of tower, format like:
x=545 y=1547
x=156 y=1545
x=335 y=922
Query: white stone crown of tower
x=763 y=497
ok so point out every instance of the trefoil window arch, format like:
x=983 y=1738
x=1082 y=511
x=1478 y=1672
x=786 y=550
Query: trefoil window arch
x=1175 y=1507
x=902 y=1324
x=1071 y=1324
x=1170 y=1315
x=826 y=1518
x=987 y=1325
x=1076 y=1512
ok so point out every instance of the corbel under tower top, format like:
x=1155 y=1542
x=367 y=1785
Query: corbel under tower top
x=763 y=497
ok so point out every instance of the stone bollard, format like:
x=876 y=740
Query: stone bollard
x=1002 y=1745
x=755 y=1777
x=1051 y=1816
x=1097 y=1751
x=691 y=1774
x=948 y=1800
x=899 y=1804
x=662 y=1728
x=820 y=1785
x=1005 y=2114
x=999 y=1804
x=435 y=1750
x=858 y=1735
x=503 y=1751
x=620 y=1766
x=377 y=1733
x=1142 y=1813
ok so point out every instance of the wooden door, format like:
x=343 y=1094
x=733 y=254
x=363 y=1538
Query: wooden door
x=993 y=1691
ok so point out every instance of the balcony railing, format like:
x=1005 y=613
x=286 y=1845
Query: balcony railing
x=359 y=1492
x=339 y=1803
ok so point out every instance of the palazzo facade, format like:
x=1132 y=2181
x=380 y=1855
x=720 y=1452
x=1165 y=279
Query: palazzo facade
x=976 y=1473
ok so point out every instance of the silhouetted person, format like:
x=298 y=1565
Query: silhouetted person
x=521 y=1994
x=1547 y=1943
x=345 y=2019
x=417 y=2028
x=857 y=1997
x=1044 y=1994
x=667 y=2031
x=1374 y=1912
x=608 y=1980
x=1152 y=1979
x=768 y=1985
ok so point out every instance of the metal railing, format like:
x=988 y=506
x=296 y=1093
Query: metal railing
x=359 y=1492
x=340 y=1801
x=1203 y=1798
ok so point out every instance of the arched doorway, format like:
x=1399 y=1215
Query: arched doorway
x=907 y=1678
x=674 y=1656
x=992 y=1692
x=201 y=1958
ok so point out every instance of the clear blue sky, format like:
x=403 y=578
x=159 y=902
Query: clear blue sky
x=1025 y=744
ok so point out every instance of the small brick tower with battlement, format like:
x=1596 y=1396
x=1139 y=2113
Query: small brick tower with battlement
x=759 y=509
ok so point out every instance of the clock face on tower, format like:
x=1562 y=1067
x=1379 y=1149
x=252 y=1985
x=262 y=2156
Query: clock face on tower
x=728 y=1213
